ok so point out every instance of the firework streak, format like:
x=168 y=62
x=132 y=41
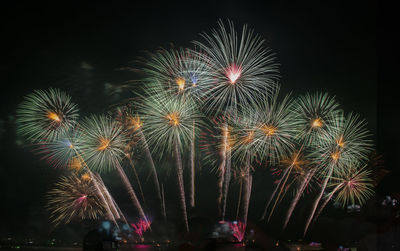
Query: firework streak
x=299 y=193
x=131 y=192
x=179 y=171
x=192 y=168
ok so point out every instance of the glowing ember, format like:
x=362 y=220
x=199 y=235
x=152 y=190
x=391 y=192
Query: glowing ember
x=317 y=123
x=181 y=83
x=233 y=73
x=173 y=119
x=104 y=144
x=238 y=230
x=269 y=130
x=53 y=116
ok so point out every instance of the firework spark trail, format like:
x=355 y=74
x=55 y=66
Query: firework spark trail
x=220 y=182
x=163 y=203
x=315 y=205
x=153 y=169
x=108 y=197
x=247 y=190
x=280 y=193
x=279 y=198
x=137 y=178
x=296 y=199
x=222 y=172
x=326 y=201
x=180 y=183
x=120 y=212
x=273 y=195
x=131 y=192
x=192 y=168
x=110 y=216
x=239 y=199
x=227 y=180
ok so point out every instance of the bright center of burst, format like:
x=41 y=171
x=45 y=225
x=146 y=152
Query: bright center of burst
x=335 y=156
x=53 y=116
x=269 y=130
x=173 y=119
x=181 y=83
x=136 y=123
x=317 y=123
x=233 y=72
x=85 y=177
x=104 y=144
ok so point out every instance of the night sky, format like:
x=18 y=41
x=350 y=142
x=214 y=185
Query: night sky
x=81 y=48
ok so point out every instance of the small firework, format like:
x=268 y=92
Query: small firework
x=141 y=227
x=238 y=230
x=103 y=142
x=64 y=152
x=355 y=186
x=242 y=68
x=45 y=116
x=74 y=197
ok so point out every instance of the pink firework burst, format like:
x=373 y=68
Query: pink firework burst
x=140 y=227
x=238 y=229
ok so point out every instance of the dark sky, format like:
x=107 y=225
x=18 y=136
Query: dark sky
x=321 y=46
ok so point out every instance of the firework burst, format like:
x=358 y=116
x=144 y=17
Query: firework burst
x=74 y=197
x=355 y=186
x=45 y=116
x=315 y=114
x=168 y=119
x=345 y=143
x=103 y=142
x=169 y=127
x=181 y=71
x=242 y=68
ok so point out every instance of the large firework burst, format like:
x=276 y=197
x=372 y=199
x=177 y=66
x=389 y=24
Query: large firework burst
x=269 y=130
x=103 y=142
x=169 y=127
x=345 y=143
x=180 y=71
x=168 y=119
x=45 y=115
x=242 y=68
x=74 y=197
x=314 y=113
